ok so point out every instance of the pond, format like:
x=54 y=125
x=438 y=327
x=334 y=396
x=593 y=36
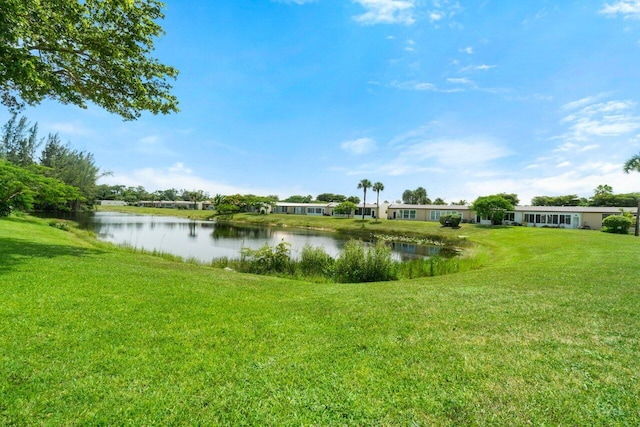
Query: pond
x=208 y=240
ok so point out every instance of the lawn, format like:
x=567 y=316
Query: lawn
x=547 y=333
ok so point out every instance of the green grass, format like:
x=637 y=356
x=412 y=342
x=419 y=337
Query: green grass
x=547 y=332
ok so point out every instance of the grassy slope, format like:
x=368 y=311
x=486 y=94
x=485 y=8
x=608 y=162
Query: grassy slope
x=547 y=334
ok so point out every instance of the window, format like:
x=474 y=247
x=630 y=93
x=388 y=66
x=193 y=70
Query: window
x=315 y=211
x=407 y=213
x=367 y=211
x=510 y=216
x=435 y=215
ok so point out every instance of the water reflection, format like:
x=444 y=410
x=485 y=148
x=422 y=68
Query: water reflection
x=205 y=240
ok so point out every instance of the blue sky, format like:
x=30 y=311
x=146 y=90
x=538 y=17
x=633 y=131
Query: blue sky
x=463 y=98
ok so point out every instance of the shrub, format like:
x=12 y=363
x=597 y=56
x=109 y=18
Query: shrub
x=267 y=259
x=450 y=220
x=359 y=264
x=618 y=224
x=314 y=261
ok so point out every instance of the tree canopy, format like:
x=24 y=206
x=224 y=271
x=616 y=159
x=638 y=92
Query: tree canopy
x=633 y=164
x=416 y=197
x=76 y=51
x=492 y=207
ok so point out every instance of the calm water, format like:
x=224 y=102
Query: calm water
x=206 y=240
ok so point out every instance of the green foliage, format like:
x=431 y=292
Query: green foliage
x=353 y=199
x=439 y=201
x=19 y=141
x=450 y=220
x=364 y=184
x=567 y=200
x=615 y=200
x=345 y=208
x=633 y=164
x=416 y=197
x=73 y=167
x=618 y=224
x=314 y=261
x=78 y=51
x=492 y=207
x=359 y=264
x=330 y=197
x=24 y=189
x=299 y=199
x=266 y=259
x=94 y=334
x=511 y=197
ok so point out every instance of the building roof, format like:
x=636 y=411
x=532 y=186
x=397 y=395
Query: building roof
x=429 y=207
x=572 y=209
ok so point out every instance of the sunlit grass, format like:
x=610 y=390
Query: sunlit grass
x=546 y=332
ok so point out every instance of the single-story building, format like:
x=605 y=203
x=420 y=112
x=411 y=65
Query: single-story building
x=112 y=202
x=171 y=204
x=563 y=216
x=327 y=209
x=428 y=212
x=589 y=217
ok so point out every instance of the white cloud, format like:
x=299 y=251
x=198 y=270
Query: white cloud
x=468 y=50
x=359 y=146
x=386 y=12
x=626 y=8
x=435 y=16
x=589 y=118
x=461 y=81
x=413 y=85
x=482 y=67
x=416 y=155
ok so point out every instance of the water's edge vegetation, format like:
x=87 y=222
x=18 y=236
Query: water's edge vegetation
x=546 y=332
x=356 y=263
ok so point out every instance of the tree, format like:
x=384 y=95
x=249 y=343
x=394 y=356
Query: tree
x=378 y=187
x=603 y=190
x=76 y=51
x=364 y=184
x=19 y=141
x=633 y=164
x=513 y=198
x=329 y=197
x=299 y=199
x=420 y=195
x=353 y=199
x=567 y=200
x=24 y=189
x=408 y=197
x=439 y=201
x=345 y=208
x=416 y=197
x=492 y=207
x=73 y=167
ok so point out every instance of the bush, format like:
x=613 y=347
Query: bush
x=267 y=259
x=450 y=220
x=358 y=264
x=618 y=224
x=314 y=261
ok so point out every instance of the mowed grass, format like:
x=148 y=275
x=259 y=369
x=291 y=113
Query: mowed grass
x=546 y=333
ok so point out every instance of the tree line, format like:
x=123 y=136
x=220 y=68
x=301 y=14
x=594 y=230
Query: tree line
x=60 y=179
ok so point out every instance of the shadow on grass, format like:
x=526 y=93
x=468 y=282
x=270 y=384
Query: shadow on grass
x=15 y=251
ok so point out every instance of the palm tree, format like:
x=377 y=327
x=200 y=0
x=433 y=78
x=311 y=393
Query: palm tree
x=633 y=164
x=364 y=184
x=378 y=187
